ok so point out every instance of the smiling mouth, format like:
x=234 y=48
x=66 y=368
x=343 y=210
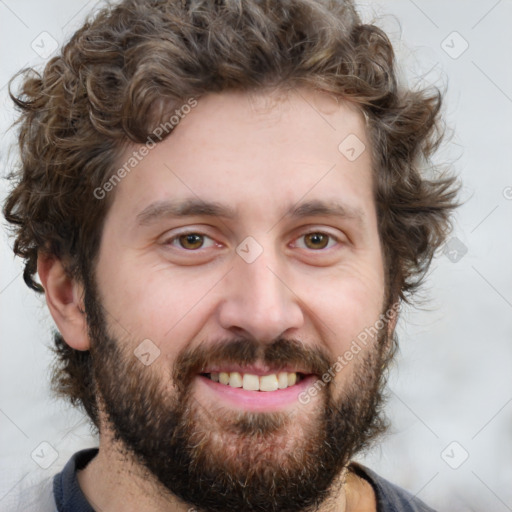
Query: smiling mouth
x=252 y=382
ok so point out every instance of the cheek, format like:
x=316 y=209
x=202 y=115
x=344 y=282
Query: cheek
x=346 y=302
x=156 y=302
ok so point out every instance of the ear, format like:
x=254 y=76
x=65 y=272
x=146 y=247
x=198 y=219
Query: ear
x=64 y=297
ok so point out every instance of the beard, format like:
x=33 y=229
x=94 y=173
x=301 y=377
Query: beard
x=218 y=460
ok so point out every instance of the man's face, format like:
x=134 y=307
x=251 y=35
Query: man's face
x=244 y=244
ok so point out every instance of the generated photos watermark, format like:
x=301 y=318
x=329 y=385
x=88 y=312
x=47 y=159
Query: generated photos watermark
x=138 y=155
x=355 y=347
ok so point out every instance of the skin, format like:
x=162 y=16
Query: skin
x=258 y=154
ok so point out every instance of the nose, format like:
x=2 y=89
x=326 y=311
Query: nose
x=258 y=301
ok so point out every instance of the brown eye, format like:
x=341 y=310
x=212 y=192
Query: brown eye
x=191 y=241
x=316 y=240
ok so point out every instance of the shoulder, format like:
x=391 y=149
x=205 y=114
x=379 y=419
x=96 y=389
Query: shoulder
x=390 y=497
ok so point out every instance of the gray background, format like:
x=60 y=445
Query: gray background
x=451 y=386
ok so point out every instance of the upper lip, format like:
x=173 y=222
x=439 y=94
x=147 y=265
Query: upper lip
x=253 y=369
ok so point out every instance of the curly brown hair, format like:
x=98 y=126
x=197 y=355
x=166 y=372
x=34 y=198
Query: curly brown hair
x=129 y=67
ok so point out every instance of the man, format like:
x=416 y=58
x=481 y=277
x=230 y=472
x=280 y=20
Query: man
x=225 y=207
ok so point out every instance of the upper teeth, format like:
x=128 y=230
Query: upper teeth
x=251 y=382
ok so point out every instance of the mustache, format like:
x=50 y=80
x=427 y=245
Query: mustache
x=245 y=351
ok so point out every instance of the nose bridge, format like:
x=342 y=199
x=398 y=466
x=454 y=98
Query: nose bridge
x=263 y=289
x=257 y=300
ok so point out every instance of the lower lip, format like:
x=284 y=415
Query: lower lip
x=258 y=401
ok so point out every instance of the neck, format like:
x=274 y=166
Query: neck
x=114 y=482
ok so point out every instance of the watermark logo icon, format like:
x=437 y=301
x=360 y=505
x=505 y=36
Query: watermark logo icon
x=351 y=147
x=147 y=352
x=44 y=455
x=454 y=45
x=454 y=250
x=249 y=250
x=44 y=45
x=455 y=455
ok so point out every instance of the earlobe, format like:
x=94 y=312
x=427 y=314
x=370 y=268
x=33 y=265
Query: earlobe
x=64 y=298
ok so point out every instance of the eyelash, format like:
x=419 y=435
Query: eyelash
x=174 y=241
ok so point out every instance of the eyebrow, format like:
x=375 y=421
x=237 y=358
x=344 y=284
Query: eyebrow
x=197 y=207
x=316 y=208
x=187 y=208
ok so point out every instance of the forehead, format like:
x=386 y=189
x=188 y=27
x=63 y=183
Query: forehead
x=257 y=152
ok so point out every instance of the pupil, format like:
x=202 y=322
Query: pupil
x=191 y=241
x=317 y=240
